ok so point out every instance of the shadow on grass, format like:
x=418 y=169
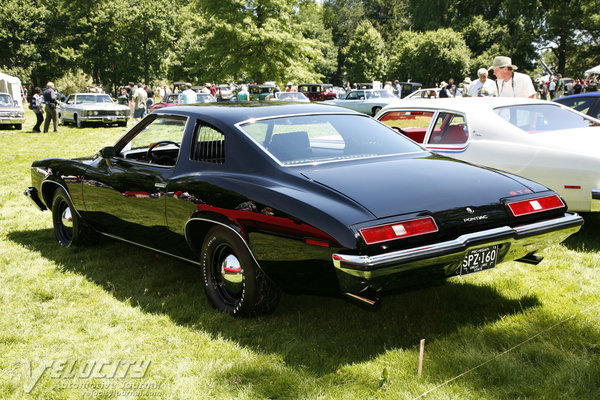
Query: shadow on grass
x=317 y=333
x=587 y=239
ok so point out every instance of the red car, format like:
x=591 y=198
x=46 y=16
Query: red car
x=317 y=91
x=175 y=99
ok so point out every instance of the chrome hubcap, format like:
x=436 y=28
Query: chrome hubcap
x=232 y=274
x=67 y=218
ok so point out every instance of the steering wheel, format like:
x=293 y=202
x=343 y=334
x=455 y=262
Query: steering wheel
x=149 y=155
x=397 y=128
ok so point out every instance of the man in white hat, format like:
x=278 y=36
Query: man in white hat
x=482 y=87
x=510 y=83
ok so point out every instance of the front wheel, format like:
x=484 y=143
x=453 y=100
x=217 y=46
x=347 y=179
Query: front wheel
x=69 y=228
x=233 y=282
x=78 y=122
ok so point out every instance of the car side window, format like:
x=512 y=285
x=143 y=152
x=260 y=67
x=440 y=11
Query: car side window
x=449 y=128
x=158 y=142
x=410 y=123
x=209 y=145
x=581 y=104
x=70 y=99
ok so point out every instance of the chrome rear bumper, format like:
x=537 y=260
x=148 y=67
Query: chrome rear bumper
x=443 y=259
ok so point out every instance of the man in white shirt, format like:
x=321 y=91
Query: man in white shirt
x=483 y=87
x=188 y=95
x=510 y=83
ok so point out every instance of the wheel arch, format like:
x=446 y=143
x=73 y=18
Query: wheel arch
x=197 y=227
x=49 y=187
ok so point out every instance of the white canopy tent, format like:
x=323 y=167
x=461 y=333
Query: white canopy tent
x=593 y=71
x=11 y=85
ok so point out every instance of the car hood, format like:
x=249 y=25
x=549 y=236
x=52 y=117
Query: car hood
x=430 y=184
x=100 y=106
x=577 y=140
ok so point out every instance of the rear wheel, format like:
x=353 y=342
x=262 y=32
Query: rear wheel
x=375 y=110
x=69 y=228
x=233 y=282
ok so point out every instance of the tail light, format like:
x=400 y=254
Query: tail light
x=398 y=230
x=532 y=206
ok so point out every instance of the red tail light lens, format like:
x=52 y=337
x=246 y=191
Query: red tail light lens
x=533 y=206
x=398 y=230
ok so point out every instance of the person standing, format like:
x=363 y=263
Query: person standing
x=552 y=88
x=37 y=107
x=510 y=83
x=482 y=87
x=397 y=89
x=448 y=90
x=139 y=98
x=188 y=95
x=51 y=104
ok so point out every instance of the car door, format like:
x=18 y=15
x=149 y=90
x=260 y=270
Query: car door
x=67 y=107
x=124 y=194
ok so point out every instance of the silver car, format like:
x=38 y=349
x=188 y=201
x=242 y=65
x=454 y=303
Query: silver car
x=80 y=108
x=11 y=114
x=368 y=101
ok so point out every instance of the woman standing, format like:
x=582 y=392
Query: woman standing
x=37 y=107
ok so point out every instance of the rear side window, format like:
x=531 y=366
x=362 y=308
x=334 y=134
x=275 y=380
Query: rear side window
x=412 y=124
x=209 y=145
x=449 y=129
x=581 y=104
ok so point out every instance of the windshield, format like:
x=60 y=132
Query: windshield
x=205 y=98
x=290 y=96
x=533 y=118
x=379 y=94
x=87 y=99
x=324 y=138
x=5 y=100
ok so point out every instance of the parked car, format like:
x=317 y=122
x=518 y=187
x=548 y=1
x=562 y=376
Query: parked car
x=302 y=197
x=587 y=103
x=82 y=108
x=11 y=114
x=262 y=92
x=317 y=91
x=540 y=140
x=428 y=93
x=290 y=96
x=368 y=101
x=226 y=92
x=175 y=99
x=409 y=87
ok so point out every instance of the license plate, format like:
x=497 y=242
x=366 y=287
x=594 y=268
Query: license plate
x=480 y=259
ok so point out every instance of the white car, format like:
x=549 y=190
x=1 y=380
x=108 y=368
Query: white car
x=539 y=140
x=81 y=108
x=367 y=101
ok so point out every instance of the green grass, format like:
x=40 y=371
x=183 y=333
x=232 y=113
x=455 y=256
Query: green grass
x=116 y=302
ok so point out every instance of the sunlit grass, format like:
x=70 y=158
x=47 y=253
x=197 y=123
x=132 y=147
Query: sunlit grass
x=116 y=302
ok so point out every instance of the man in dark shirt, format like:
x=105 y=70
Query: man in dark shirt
x=51 y=105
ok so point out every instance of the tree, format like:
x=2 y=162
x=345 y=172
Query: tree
x=365 y=55
x=430 y=57
x=254 y=40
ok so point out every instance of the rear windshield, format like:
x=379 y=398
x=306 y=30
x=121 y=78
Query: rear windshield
x=533 y=118
x=324 y=138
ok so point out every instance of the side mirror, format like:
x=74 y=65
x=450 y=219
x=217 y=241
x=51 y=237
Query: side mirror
x=108 y=152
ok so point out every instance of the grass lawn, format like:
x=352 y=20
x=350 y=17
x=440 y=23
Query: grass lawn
x=116 y=321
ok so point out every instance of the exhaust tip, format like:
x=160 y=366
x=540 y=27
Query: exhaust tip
x=364 y=298
x=531 y=258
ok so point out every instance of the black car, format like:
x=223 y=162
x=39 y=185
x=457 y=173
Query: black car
x=305 y=197
x=587 y=103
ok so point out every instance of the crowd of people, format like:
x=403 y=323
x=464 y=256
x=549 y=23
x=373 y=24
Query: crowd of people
x=509 y=83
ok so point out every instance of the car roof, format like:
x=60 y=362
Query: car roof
x=235 y=112
x=574 y=96
x=465 y=103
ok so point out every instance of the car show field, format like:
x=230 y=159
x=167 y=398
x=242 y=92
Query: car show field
x=517 y=331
